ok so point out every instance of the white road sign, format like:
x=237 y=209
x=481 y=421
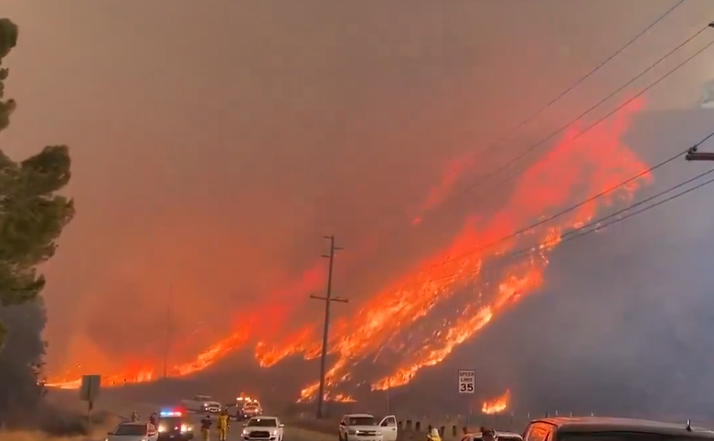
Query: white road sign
x=467 y=382
x=91 y=384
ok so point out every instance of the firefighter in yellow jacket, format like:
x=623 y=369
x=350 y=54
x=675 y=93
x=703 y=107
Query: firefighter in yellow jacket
x=433 y=434
x=223 y=425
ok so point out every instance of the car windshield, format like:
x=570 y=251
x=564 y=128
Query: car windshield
x=171 y=421
x=130 y=430
x=263 y=422
x=361 y=421
x=626 y=436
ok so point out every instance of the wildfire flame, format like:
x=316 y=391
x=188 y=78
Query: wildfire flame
x=497 y=405
x=339 y=398
x=462 y=273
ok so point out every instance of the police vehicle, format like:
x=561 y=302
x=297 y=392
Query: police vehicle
x=174 y=425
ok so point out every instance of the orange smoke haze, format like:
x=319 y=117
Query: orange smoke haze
x=466 y=272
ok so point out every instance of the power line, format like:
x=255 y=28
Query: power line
x=578 y=82
x=600 y=224
x=533 y=147
x=698 y=156
x=578 y=233
x=572 y=207
x=328 y=299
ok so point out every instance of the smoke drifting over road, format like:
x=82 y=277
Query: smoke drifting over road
x=220 y=176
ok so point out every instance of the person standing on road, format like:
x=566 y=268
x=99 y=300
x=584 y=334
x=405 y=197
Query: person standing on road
x=134 y=417
x=223 y=425
x=465 y=434
x=433 y=435
x=489 y=435
x=206 y=427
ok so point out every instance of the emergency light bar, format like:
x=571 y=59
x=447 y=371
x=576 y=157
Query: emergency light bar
x=170 y=413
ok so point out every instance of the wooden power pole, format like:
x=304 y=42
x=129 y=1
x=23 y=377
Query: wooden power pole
x=693 y=154
x=328 y=299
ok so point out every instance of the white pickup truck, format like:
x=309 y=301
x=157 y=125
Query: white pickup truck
x=202 y=403
x=363 y=427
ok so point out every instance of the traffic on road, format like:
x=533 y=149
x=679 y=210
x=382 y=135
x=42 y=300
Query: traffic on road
x=203 y=418
x=246 y=420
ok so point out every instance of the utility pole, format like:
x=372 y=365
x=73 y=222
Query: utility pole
x=167 y=343
x=693 y=154
x=328 y=299
x=386 y=401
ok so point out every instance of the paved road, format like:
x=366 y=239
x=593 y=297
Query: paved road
x=234 y=434
x=291 y=433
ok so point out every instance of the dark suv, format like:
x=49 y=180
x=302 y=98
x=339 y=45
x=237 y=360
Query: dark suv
x=612 y=429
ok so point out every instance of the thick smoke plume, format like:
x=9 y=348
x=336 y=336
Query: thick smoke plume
x=313 y=127
x=20 y=362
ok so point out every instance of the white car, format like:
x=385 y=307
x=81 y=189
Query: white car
x=202 y=403
x=133 y=432
x=363 y=427
x=263 y=428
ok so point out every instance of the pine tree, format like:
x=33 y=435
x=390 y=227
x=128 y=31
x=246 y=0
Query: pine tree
x=32 y=212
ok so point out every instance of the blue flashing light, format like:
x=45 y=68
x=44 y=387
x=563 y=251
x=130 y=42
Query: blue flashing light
x=170 y=413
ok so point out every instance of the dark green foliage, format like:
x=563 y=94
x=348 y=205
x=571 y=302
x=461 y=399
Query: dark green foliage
x=32 y=214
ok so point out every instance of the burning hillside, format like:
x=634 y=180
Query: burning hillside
x=470 y=272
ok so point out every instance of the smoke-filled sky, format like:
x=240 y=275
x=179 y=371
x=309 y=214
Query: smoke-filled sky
x=214 y=144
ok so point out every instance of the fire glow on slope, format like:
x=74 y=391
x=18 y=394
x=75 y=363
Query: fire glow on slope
x=497 y=405
x=570 y=172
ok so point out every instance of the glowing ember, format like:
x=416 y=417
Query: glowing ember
x=497 y=405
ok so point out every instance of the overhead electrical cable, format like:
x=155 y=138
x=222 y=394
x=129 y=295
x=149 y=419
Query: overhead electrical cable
x=601 y=119
x=596 y=225
x=621 y=215
x=618 y=90
x=571 y=208
x=580 y=81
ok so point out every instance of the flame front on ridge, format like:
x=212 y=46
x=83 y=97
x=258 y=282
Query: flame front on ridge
x=467 y=272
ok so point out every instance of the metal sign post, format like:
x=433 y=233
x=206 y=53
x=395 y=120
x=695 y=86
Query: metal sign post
x=467 y=382
x=89 y=391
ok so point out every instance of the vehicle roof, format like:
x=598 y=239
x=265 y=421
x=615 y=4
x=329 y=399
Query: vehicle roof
x=590 y=424
x=358 y=415
x=263 y=417
x=498 y=433
x=132 y=423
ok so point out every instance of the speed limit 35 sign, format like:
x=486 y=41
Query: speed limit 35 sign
x=467 y=382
